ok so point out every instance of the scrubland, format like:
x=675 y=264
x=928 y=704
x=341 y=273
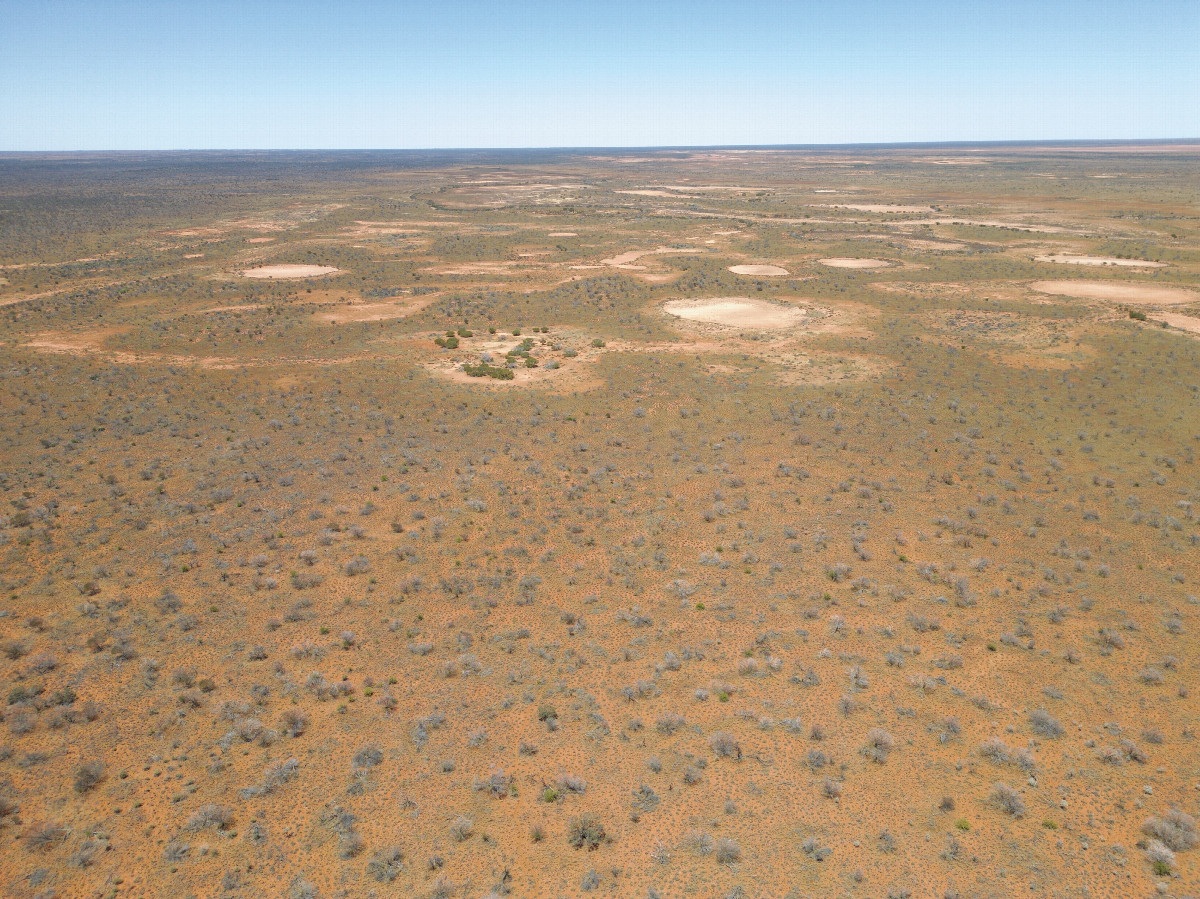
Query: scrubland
x=682 y=524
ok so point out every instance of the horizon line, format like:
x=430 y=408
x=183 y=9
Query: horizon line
x=619 y=148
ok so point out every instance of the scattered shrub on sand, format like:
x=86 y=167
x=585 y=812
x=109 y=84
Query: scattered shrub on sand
x=88 y=776
x=1174 y=829
x=1008 y=799
x=385 y=865
x=45 y=836
x=879 y=744
x=727 y=851
x=1045 y=724
x=669 y=723
x=210 y=815
x=461 y=828
x=725 y=745
x=585 y=832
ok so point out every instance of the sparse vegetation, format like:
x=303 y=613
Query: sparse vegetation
x=422 y=603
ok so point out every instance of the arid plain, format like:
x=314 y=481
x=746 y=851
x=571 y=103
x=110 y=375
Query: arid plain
x=696 y=523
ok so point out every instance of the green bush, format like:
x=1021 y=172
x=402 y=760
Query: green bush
x=484 y=370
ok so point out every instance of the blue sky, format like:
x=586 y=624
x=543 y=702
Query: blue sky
x=110 y=74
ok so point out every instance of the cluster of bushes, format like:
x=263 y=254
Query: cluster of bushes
x=522 y=351
x=450 y=341
x=485 y=370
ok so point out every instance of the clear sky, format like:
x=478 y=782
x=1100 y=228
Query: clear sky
x=151 y=74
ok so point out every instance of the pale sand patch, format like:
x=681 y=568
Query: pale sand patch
x=501 y=267
x=873 y=207
x=259 y=239
x=949 y=160
x=725 y=233
x=678 y=187
x=1070 y=259
x=289 y=271
x=997 y=223
x=1188 y=323
x=1118 y=292
x=249 y=307
x=409 y=224
x=736 y=312
x=769 y=270
x=562 y=234
x=844 y=262
x=947 y=245
x=193 y=255
x=624 y=260
x=652 y=193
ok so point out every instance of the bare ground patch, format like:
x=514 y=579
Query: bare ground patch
x=736 y=312
x=849 y=262
x=653 y=193
x=770 y=271
x=627 y=260
x=289 y=271
x=1071 y=259
x=1118 y=292
x=777 y=322
x=873 y=207
x=1188 y=323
